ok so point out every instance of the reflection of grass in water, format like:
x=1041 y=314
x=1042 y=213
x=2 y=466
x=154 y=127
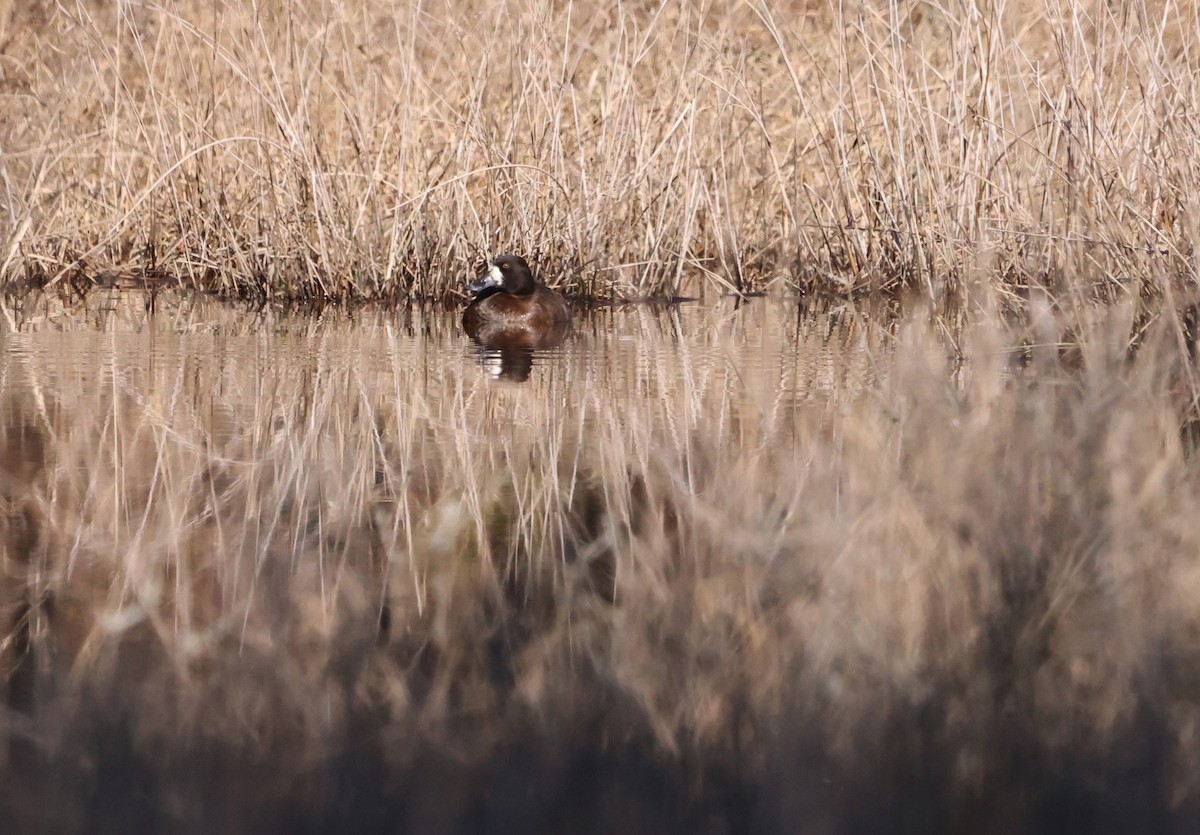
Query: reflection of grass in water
x=340 y=149
x=952 y=589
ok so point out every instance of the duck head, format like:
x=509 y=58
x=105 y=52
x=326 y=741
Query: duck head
x=508 y=274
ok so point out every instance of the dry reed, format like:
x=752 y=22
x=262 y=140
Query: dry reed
x=335 y=150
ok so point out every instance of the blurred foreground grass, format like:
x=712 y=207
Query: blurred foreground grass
x=837 y=572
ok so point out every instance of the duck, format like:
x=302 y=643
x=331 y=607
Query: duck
x=511 y=310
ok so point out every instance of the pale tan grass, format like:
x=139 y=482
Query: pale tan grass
x=334 y=150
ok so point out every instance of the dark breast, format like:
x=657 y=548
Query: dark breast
x=501 y=320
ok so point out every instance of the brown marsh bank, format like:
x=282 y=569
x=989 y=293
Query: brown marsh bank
x=334 y=149
x=717 y=569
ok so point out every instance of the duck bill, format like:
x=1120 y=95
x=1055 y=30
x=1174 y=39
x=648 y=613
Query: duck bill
x=491 y=278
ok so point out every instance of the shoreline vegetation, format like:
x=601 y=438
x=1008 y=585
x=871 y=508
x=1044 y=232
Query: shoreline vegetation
x=910 y=545
x=335 y=151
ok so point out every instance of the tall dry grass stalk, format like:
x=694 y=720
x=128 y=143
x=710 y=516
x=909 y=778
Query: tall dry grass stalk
x=331 y=150
x=818 y=568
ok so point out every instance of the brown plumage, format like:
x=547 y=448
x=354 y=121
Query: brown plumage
x=512 y=310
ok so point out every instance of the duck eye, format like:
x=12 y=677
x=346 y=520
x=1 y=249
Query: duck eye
x=504 y=268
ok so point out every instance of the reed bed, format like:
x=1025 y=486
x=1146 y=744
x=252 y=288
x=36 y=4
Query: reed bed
x=332 y=150
x=745 y=571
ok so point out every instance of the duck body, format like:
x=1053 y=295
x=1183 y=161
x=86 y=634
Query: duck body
x=512 y=310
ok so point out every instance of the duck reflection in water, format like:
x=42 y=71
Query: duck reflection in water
x=513 y=316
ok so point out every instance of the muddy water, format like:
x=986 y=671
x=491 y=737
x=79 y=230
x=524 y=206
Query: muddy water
x=186 y=357
x=261 y=565
x=698 y=569
x=127 y=336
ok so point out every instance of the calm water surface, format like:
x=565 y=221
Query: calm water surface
x=337 y=564
x=710 y=568
x=116 y=339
